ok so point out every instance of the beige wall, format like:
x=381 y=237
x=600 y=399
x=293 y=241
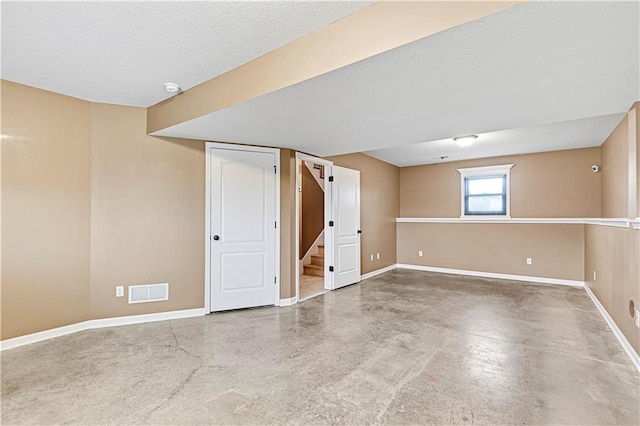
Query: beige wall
x=556 y=250
x=89 y=202
x=287 y=223
x=379 y=207
x=613 y=254
x=45 y=210
x=549 y=184
x=312 y=212
x=615 y=157
x=147 y=214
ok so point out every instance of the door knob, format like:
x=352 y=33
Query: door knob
x=216 y=237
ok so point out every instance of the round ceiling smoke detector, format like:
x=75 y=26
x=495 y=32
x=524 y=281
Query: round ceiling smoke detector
x=172 y=87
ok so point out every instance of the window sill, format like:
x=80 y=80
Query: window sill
x=487 y=218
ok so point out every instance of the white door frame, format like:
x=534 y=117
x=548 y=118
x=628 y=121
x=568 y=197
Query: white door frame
x=208 y=210
x=328 y=231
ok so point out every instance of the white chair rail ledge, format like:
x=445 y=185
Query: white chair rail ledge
x=614 y=222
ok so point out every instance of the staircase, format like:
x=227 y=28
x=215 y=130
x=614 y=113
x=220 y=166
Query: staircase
x=316 y=267
x=313 y=264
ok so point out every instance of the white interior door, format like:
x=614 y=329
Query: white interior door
x=345 y=193
x=243 y=233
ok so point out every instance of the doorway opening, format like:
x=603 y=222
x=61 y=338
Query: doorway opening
x=327 y=226
x=311 y=229
x=314 y=236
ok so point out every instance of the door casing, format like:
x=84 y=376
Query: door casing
x=328 y=212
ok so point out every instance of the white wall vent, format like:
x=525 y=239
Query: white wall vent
x=148 y=293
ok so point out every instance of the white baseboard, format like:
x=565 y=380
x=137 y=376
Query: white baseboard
x=288 y=302
x=139 y=319
x=42 y=335
x=527 y=278
x=378 y=272
x=97 y=323
x=635 y=358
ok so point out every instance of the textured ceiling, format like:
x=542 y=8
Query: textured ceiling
x=536 y=63
x=123 y=52
x=572 y=134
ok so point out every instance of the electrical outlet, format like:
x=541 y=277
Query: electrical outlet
x=120 y=291
x=378 y=256
x=372 y=258
x=594 y=275
x=637 y=318
x=420 y=253
x=529 y=261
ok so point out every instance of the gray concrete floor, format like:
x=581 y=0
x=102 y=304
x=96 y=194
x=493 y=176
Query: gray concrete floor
x=405 y=347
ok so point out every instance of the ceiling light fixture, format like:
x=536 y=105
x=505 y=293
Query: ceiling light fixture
x=465 y=140
x=172 y=87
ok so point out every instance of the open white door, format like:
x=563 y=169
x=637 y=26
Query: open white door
x=242 y=198
x=345 y=196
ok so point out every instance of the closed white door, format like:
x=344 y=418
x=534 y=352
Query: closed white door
x=243 y=227
x=345 y=193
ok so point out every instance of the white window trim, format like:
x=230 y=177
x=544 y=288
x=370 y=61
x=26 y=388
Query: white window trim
x=471 y=172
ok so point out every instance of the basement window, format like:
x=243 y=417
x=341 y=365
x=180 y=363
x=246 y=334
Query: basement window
x=485 y=191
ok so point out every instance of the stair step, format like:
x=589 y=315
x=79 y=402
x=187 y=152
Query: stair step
x=317 y=260
x=316 y=270
x=321 y=250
